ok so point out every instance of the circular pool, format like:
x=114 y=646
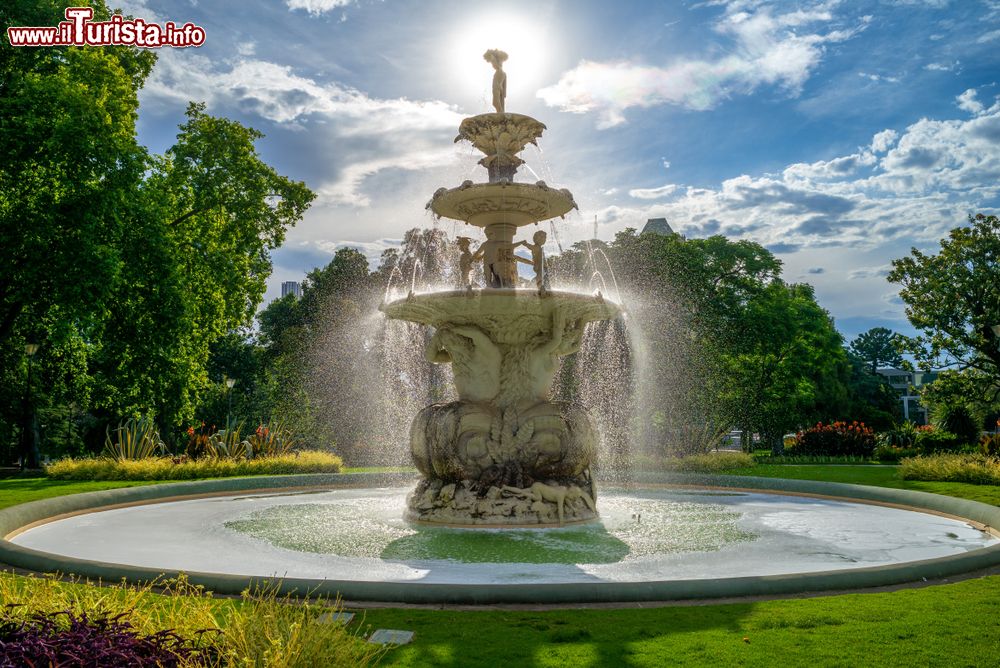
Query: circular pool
x=651 y=543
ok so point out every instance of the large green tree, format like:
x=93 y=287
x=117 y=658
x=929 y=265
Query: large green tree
x=789 y=367
x=878 y=347
x=722 y=341
x=953 y=299
x=198 y=248
x=70 y=166
x=126 y=267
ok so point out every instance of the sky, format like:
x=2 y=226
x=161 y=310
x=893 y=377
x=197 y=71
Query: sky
x=838 y=134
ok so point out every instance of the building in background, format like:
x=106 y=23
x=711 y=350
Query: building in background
x=658 y=226
x=908 y=384
x=291 y=288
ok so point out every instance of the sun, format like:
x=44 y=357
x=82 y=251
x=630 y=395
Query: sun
x=524 y=41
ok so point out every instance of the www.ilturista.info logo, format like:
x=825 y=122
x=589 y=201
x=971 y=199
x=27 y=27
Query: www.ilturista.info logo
x=79 y=30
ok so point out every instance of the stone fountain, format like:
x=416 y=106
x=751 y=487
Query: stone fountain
x=505 y=453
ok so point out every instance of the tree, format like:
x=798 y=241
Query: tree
x=198 y=243
x=70 y=166
x=871 y=399
x=877 y=347
x=126 y=267
x=790 y=369
x=953 y=298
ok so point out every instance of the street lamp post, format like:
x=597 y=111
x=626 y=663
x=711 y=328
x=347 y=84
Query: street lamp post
x=29 y=434
x=230 y=382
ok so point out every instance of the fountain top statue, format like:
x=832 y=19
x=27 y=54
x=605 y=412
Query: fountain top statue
x=505 y=453
x=496 y=57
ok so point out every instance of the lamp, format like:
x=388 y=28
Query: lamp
x=29 y=433
x=230 y=382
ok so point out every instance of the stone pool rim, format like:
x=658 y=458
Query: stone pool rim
x=15 y=519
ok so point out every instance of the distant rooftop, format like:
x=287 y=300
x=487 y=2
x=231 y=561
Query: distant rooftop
x=658 y=226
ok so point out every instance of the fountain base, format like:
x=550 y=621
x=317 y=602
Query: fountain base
x=470 y=503
x=487 y=465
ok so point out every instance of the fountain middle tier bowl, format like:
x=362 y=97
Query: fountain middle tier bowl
x=483 y=204
x=512 y=317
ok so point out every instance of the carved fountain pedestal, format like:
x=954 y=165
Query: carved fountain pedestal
x=503 y=454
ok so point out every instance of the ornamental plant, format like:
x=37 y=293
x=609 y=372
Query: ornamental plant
x=65 y=639
x=836 y=439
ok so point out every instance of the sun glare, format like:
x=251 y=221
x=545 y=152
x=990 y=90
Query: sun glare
x=525 y=43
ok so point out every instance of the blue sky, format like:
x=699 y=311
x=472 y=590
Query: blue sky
x=837 y=134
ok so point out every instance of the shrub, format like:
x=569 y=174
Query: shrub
x=711 y=462
x=989 y=444
x=958 y=420
x=889 y=453
x=227 y=444
x=976 y=469
x=272 y=439
x=134 y=439
x=902 y=436
x=65 y=638
x=835 y=439
x=260 y=629
x=930 y=441
x=165 y=468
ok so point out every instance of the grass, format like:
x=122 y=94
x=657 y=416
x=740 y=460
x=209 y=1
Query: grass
x=259 y=629
x=879 y=476
x=23 y=490
x=164 y=468
x=951 y=625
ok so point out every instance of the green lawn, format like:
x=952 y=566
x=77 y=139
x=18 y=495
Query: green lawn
x=879 y=476
x=947 y=625
x=950 y=625
x=22 y=490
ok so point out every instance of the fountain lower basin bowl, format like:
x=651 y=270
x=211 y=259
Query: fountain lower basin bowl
x=511 y=317
x=652 y=543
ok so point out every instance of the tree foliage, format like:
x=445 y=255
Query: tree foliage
x=878 y=347
x=125 y=266
x=953 y=299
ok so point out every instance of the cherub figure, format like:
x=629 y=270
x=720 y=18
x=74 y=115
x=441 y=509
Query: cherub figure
x=465 y=261
x=496 y=57
x=498 y=257
x=537 y=260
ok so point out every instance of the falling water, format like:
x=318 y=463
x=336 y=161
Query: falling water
x=602 y=373
x=611 y=271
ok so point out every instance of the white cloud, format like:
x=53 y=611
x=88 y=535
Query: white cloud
x=878 y=77
x=942 y=67
x=882 y=141
x=276 y=93
x=988 y=37
x=317 y=7
x=908 y=188
x=765 y=49
x=653 y=193
x=139 y=9
x=967 y=101
x=869 y=272
x=372 y=134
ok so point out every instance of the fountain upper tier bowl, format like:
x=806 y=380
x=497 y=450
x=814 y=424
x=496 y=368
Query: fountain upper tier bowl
x=511 y=317
x=503 y=135
x=483 y=204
